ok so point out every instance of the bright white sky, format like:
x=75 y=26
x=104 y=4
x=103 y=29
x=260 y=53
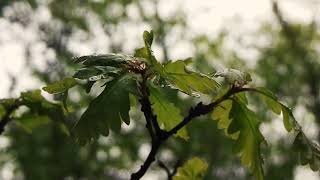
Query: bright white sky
x=204 y=17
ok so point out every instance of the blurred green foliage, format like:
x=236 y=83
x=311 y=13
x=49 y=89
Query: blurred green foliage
x=288 y=65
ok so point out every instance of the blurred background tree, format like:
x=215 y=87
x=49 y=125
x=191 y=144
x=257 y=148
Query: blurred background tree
x=285 y=60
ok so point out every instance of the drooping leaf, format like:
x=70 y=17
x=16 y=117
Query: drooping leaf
x=277 y=107
x=221 y=114
x=193 y=169
x=250 y=138
x=308 y=152
x=60 y=86
x=187 y=81
x=167 y=113
x=287 y=118
x=108 y=110
x=111 y=59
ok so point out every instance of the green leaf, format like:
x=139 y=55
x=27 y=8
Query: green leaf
x=141 y=53
x=60 y=86
x=64 y=129
x=91 y=72
x=148 y=37
x=29 y=122
x=221 y=114
x=40 y=112
x=40 y=106
x=250 y=138
x=147 y=53
x=133 y=100
x=167 y=113
x=270 y=99
x=30 y=97
x=187 y=81
x=242 y=97
x=287 y=118
x=193 y=169
x=273 y=103
x=111 y=59
x=2 y=111
x=308 y=152
x=108 y=110
x=7 y=102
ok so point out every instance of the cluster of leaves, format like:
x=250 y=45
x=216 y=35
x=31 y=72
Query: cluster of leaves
x=194 y=169
x=121 y=75
x=39 y=111
x=124 y=76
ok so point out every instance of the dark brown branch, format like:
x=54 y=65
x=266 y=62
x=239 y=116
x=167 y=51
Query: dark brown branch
x=145 y=108
x=151 y=157
x=7 y=116
x=151 y=120
x=160 y=138
x=202 y=109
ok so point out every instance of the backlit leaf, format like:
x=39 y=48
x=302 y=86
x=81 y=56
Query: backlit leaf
x=193 y=169
x=167 y=113
x=277 y=107
x=287 y=118
x=250 y=138
x=187 y=81
x=221 y=114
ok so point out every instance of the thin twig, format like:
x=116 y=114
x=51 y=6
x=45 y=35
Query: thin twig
x=175 y=168
x=170 y=174
x=165 y=168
